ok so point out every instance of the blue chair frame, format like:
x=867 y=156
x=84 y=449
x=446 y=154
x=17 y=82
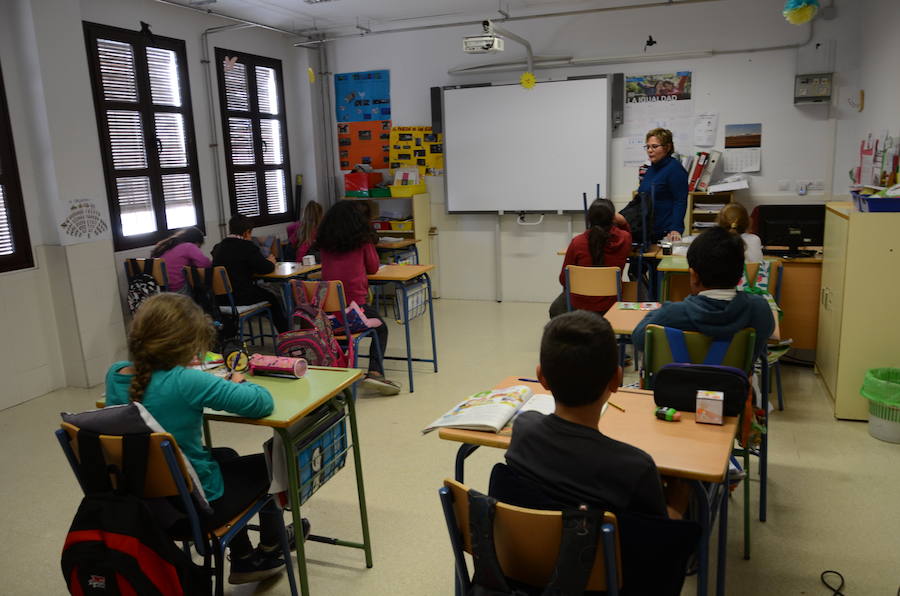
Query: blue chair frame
x=207 y=544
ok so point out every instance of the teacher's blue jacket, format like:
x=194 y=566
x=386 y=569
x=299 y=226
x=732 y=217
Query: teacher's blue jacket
x=667 y=182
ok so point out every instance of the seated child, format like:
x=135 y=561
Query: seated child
x=734 y=218
x=606 y=243
x=242 y=259
x=179 y=250
x=306 y=231
x=564 y=453
x=714 y=308
x=167 y=332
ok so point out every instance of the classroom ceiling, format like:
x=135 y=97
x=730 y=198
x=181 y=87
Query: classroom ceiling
x=345 y=16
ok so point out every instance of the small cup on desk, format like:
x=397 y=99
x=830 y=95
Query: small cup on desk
x=666 y=248
x=309 y=260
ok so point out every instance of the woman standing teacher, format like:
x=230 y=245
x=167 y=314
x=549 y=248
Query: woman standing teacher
x=667 y=182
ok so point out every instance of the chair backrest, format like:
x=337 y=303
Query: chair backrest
x=159 y=273
x=592 y=281
x=776 y=267
x=527 y=541
x=159 y=480
x=221 y=283
x=658 y=353
x=335 y=301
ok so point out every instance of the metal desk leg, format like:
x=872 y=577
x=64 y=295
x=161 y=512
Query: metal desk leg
x=294 y=502
x=360 y=488
x=723 y=540
x=464 y=451
x=705 y=520
x=406 y=331
x=431 y=317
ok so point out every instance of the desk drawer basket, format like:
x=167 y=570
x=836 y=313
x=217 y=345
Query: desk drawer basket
x=323 y=449
x=416 y=300
x=404 y=257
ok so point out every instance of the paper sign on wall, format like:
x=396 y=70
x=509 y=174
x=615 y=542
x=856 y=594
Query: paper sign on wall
x=742 y=147
x=364 y=143
x=417 y=146
x=362 y=108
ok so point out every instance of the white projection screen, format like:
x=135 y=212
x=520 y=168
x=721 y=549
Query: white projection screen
x=512 y=149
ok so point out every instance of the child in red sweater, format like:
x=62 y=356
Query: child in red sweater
x=606 y=243
x=346 y=244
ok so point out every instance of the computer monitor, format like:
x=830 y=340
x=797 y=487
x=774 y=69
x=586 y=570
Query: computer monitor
x=791 y=225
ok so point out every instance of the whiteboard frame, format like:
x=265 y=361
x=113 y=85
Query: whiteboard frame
x=604 y=190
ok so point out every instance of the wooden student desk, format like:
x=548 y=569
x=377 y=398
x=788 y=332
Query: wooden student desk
x=283 y=273
x=400 y=275
x=696 y=452
x=395 y=247
x=623 y=322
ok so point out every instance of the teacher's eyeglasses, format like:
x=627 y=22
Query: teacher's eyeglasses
x=649 y=147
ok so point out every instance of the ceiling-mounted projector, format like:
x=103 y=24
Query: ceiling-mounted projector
x=482 y=44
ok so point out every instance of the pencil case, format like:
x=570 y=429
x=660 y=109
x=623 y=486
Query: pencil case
x=277 y=366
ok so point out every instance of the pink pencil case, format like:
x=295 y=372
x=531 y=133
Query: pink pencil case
x=277 y=366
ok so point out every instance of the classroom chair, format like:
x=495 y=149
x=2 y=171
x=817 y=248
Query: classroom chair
x=658 y=352
x=595 y=282
x=157 y=270
x=646 y=542
x=221 y=286
x=526 y=542
x=167 y=477
x=336 y=304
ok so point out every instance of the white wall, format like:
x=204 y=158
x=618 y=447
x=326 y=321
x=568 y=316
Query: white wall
x=63 y=319
x=879 y=74
x=741 y=86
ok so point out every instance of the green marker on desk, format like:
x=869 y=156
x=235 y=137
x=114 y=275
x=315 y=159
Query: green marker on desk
x=668 y=414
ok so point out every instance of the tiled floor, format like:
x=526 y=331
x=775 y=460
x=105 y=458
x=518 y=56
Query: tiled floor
x=833 y=489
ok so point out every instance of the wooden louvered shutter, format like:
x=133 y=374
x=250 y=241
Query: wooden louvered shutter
x=145 y=122
x=251 y=96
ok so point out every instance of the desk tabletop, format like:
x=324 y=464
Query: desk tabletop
x=623 y=321
x=397 y=245
x=684 y=449
x=295 y=398
x=400 y=272
x=288 y=269
x=673 y=263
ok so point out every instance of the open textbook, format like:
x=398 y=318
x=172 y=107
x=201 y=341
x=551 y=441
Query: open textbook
x=492 y=410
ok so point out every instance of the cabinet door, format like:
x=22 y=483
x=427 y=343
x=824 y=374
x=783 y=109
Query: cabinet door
x=831 y=298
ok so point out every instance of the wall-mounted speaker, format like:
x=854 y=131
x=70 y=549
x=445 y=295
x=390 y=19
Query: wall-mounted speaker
x=437 y=112
x=617 y=101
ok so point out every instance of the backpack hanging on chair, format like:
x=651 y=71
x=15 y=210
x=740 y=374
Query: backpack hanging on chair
x=141 y=285
x=312 y=338
x=202 y=293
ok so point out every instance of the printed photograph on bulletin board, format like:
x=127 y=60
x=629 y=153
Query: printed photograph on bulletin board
x=362 y=96
x=417 y=146
x=658 y=87
x=364 y=143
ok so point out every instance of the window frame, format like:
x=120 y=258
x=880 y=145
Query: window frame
x=259 y=166
x=22 y=256
x=147 y=109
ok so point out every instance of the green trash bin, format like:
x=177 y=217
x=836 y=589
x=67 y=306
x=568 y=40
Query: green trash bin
x=881 y=386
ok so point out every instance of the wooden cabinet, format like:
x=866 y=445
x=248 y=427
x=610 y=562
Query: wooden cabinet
x=417 y=207
x=706 y=212
x=857 y=303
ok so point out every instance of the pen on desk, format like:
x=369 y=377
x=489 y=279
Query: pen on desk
x=616 y=406
x=528 y=380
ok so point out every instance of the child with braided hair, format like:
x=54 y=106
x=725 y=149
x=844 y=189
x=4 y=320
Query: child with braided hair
x=167 y=332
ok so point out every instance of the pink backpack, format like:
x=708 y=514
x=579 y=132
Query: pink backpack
x=312 y=339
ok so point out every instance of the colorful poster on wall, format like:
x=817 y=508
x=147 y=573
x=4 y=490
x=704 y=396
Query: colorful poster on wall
x=364 y=143
x=658 y=87
x=362 y=96
x=417 y=146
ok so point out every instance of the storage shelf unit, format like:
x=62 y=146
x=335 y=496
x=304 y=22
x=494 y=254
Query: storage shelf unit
x=418 y=207
x=694 y=214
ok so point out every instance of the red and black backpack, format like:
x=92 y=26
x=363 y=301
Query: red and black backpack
x=115 y=545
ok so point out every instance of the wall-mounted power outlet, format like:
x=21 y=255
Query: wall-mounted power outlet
x=814 y=185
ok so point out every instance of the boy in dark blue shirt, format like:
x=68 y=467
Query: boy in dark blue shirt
x=715 y=308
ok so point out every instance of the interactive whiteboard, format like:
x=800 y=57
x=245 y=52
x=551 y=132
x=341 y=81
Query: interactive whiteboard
x=512 y=149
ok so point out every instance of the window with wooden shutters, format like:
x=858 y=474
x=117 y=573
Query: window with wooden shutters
x=251 y=94
x=146 y=128
x=15 y=245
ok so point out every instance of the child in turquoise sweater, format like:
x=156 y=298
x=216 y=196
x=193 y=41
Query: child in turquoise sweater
x=167 y=332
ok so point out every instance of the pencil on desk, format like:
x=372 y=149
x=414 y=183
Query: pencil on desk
x=616 y=406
